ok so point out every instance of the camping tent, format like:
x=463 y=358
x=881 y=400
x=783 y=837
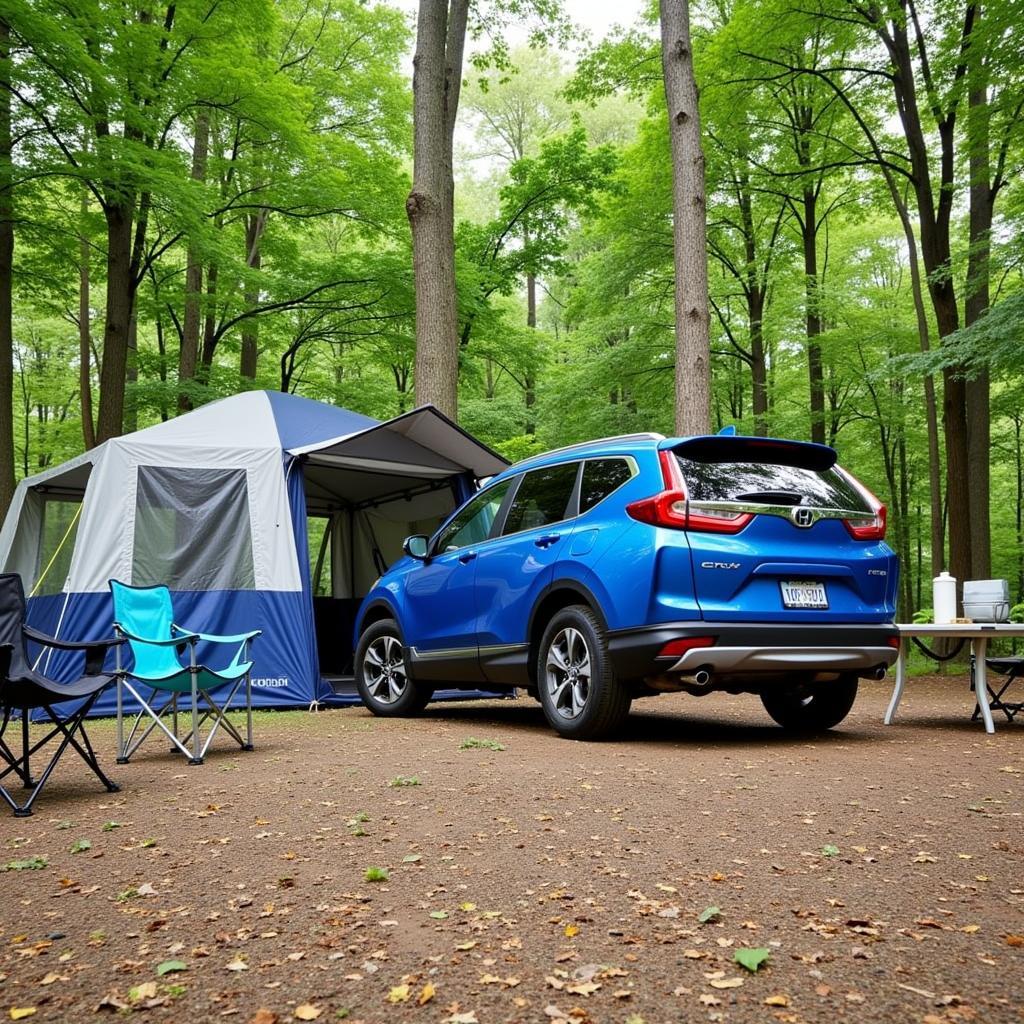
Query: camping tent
x=221 y=505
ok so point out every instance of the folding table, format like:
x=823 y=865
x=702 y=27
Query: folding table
x=979 y=633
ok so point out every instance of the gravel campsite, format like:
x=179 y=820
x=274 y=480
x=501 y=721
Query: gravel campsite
x=470 y=866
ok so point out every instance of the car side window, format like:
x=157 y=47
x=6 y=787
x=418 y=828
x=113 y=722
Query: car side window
x=600 y=478
x=473 y=524
x=542 y=498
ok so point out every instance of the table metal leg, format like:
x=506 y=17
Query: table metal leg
x=981 y=682
x=901 y=678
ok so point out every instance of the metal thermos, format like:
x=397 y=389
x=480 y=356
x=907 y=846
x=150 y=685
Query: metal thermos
x=944 y=598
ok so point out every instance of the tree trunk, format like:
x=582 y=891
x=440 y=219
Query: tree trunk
x=85 y=330
x=254 y=225
x=131 y=374
x=210 y=323
x=755 y=310
x=812 y=300
x=110 y=420
x=979 y=432
x=188 y=354
x=693 y=345
x=437 y=78
x=6 y=277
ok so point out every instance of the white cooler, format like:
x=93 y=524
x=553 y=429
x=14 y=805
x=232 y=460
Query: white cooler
x=987 y=600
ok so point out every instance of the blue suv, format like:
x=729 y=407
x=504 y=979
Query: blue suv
x=635 y=565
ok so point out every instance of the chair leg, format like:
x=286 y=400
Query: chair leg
x=26 y=774
x=67 y=728
x=87 y=754
x=197 y=752
x=174 y=717
x=248 y=711
x=122 y=756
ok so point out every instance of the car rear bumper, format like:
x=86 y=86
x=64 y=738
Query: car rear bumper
x=744 y=648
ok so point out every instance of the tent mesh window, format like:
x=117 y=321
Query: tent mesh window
x=192 y=529
x=56 y=545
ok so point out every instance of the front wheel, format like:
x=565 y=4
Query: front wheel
x=813 y=707
x=381 y=676
x=581 y=696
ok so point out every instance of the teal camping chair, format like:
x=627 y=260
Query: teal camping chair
x=144 y=617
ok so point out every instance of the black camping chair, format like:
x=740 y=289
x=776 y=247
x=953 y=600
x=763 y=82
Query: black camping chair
x=1010 y=669
x=23 y=690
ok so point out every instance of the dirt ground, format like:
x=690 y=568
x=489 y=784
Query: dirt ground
x=880 y=869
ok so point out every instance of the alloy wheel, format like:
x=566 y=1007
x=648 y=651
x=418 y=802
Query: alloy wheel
x=567 y=670
x=384 y=670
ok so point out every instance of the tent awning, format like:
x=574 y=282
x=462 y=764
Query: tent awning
x=422 y=444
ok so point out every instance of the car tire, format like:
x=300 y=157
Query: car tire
x=579 y=691
x=382 y=678
x=811 y=708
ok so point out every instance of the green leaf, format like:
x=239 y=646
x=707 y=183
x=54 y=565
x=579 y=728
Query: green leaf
x=439 y=915
x=412 y=858
x=109 y=826
x=709 y=914
x=751 y=958
x=376 y=874
x=170 y=966
x=829 y=850
x=80 y=845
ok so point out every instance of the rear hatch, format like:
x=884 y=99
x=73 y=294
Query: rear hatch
x=779 y=533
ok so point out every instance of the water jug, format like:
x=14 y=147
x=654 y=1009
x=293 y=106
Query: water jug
x=944 y=598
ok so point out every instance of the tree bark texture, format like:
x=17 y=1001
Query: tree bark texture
x=85 y=331
x=110 y=418
x=979 y=432
x=6 y=277
x=437 y=78
x=188 y=353
x=693 y=347
x=812 y=288
x=254 y=227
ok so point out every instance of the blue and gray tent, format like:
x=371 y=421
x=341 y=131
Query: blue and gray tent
x=260 y=511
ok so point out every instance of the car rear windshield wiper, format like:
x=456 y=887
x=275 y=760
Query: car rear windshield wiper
x=771 y=497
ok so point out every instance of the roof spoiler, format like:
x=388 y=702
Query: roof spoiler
x=774 y=451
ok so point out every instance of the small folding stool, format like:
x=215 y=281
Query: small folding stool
x=1011 y=669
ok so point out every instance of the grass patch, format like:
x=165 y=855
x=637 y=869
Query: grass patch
x=472 y=743
x=376 y=874
x=401 y=781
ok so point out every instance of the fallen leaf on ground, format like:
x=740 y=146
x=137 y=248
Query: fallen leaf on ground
x=21 y=1012
x=263 y=1016
x=777 y=1000
x=307 y=1011
x=398 y=994
x=751 y=958
x=426 y=994
x=725 y=982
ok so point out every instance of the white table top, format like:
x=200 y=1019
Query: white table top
x=966 y=629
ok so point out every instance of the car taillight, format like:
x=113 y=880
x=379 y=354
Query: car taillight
x=866 y=529
x=669 y=507
x=677 y=648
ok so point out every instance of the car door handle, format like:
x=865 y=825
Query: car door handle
x=467 y=556
x=547 y=540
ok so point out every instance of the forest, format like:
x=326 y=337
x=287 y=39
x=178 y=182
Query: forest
x=206 y=196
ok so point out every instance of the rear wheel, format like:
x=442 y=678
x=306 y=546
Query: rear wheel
x=381 y=676
x=811 y=707
x=581 y=696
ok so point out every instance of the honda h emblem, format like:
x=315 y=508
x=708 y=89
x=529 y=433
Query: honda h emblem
x=803 y=516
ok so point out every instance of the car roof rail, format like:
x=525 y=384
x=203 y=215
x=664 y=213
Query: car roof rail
x=648 y=435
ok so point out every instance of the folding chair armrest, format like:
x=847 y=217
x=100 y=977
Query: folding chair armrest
x=95 y=650
x=235 y=638
x=70 y=645
x=174 y=641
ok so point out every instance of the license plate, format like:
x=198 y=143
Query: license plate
x=803 y=594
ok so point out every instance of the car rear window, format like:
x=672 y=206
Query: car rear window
x=770 y=484
x=600 y=478
x=542 y=498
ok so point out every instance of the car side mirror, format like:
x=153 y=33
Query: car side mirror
x=416 y=546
